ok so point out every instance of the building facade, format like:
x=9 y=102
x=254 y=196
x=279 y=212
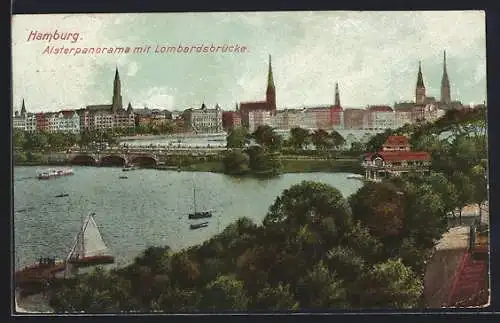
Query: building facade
x=204 y=120
x=268 y=105
x=395 y=159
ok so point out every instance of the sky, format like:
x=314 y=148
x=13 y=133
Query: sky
x=373 y=56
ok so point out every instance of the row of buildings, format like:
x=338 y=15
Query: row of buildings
x=247 y=114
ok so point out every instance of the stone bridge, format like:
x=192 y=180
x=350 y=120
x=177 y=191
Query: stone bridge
x=122 y=157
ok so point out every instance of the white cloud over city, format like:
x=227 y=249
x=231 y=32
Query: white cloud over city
x=373 y=55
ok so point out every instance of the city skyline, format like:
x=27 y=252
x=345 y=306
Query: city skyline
x=307 y=60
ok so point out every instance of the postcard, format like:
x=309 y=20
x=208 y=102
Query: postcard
x=243 y=162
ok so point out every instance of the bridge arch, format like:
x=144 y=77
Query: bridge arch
x=86 y=160
x=112 y=160
x=144 y=161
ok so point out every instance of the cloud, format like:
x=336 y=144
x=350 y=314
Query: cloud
x=133 y=67
x=373 y=55
x=155 y=97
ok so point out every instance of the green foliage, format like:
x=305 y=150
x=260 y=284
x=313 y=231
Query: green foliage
x=275 y=298
x=236 y=162
x=267 y=138
x=299 y=137
x=376 y=142
x=390 y=284
x=308 y=202
x=321 y=289
x=224 y=293
x=379 y=206
x=238 y=138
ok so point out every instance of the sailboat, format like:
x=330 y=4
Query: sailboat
x=196 y=214
x=89 y=248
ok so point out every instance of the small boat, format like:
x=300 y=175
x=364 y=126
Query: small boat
x=123 y=177
x=356 y=176
x=62 y=195
x=89 y=248
x=37 y=274
x=54 y=173
x=198 y=225
x=197 y=214
x=129 y=168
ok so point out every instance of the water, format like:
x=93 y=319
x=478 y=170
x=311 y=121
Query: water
x=149 y=208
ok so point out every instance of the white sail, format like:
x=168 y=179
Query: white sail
x=89 y=241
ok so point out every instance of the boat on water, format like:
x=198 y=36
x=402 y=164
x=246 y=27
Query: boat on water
x=356 y=176
x=123 y=177
x=198 y=214
x=54 y=173
x=195 y=226
x=62 y=195
x=89 y=248
x=129 y=168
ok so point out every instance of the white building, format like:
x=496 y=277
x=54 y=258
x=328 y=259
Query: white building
x=31 y=123
x=205 y=120
x=102 y=120
x=258 y=118
x=19 y=120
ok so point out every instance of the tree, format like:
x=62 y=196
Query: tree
x=320 y=139
x=375 y=143
x=465 y=190
x=236 y=162
x=425 y=215
x=479 y=181
x=338 y=140
x=357 y=148
x=265 y=136
x=237 y=138
x=299 y=137
x=18 y=139
x=446 y=190
x=379 y=206
x=275 y=298
x=263 y=162
x=321 y=289
x=390 y=284
x=224 y=293
x=308 y=202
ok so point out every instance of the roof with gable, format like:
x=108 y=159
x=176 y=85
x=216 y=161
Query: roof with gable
x=380 y=108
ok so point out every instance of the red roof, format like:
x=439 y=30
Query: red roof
x=380 y=108
x=336 y=108
x=400 y=155
x=396 y=141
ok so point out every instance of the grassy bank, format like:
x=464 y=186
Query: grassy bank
x=315 y=165
x=290 y=166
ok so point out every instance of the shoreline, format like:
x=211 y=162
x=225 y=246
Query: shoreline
x=289 y=166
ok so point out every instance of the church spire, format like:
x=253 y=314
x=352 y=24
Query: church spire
x=23 y=109
x=270 y=80
x=271 y=90
x=337 y=95
x=117 y=95
x=420 y=79
x=445 y=83
x=420 y=88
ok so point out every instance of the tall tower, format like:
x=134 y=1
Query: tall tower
x=420 y=88
x=23 y=110
x=117 y=95
x=271 y=90
x=337 y=95
x=445 y=83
